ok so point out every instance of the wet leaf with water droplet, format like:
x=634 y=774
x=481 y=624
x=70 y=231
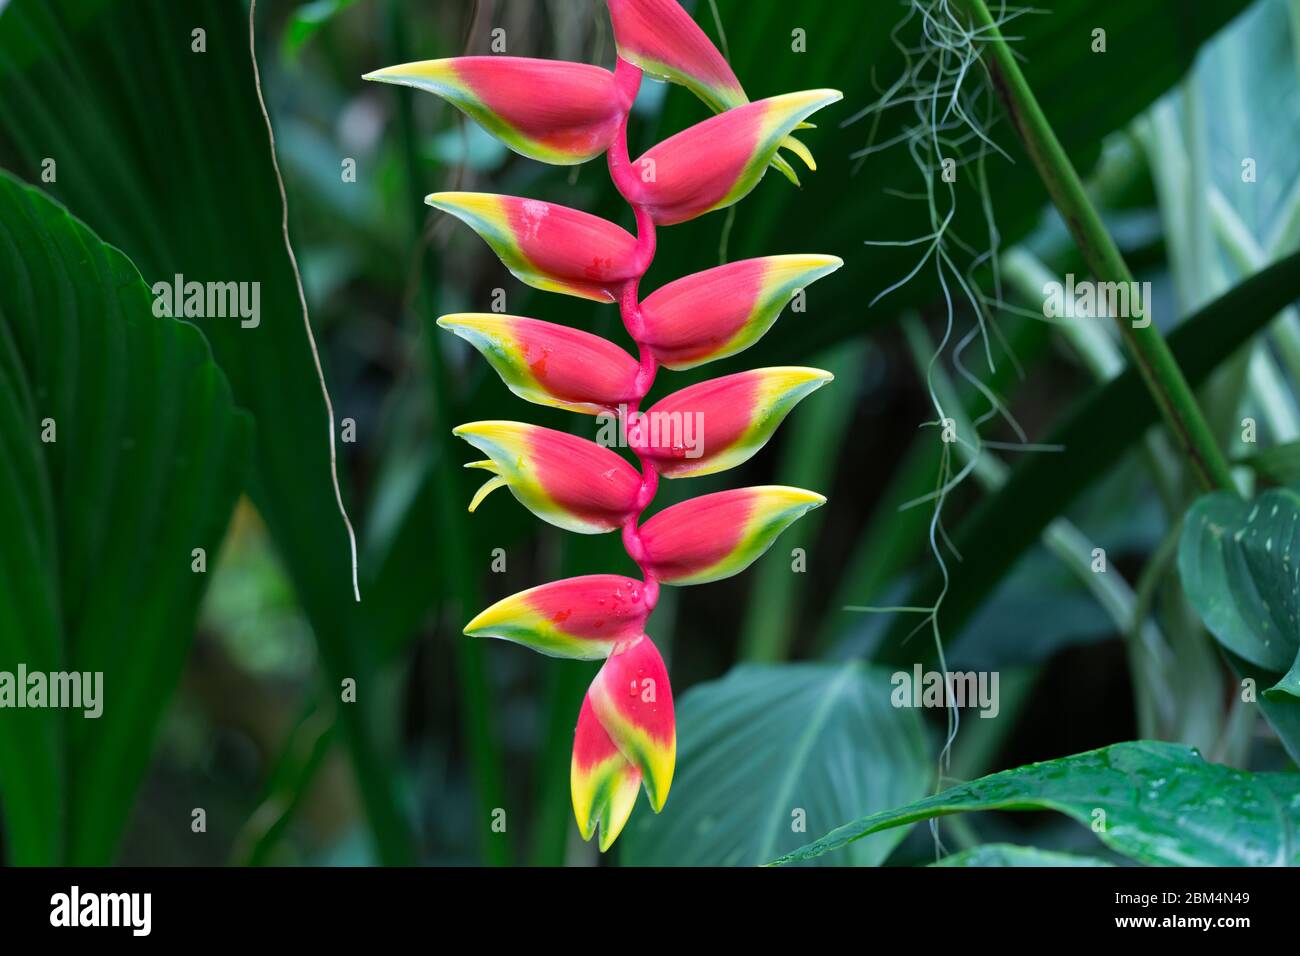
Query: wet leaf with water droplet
x=1164 y=805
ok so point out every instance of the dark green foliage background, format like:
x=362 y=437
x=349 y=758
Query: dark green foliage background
x=162 y=153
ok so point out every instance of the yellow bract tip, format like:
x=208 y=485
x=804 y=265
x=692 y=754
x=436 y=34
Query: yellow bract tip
x=490 y=429
x=473 y=320
x=477 y=204
x=507 y=609
x=413 y=74
x=805 y=100
x=786 y=496
x=803 y=268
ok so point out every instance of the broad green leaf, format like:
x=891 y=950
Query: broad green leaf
x=121 y=452
x=1008 y=854
x=1237 y=113
x=1246 y=80
x=1240 y=565
x=163 y=151
x=770 y=753
x=1157 y=803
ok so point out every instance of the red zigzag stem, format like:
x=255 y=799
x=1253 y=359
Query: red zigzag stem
x=628 y=78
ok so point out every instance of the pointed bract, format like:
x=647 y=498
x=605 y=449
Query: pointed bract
x=716 y=313
x=662 y=39
x=633 y=701
x=718 y=424
x=548 y=246
x=550 y=364
x=549 y=110
x=715 y=536
x=716 y=163
x=567 y=481
x=581 y=618
x=602 y=783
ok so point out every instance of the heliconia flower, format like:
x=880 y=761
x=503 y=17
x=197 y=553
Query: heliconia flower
x=582 y=618
x=602 y=782
x=718 y=424
x=567 y=113
x=549 y=110
x=716 y=163
x=662 y=39
x=548 y=246
x=567 y=481
x=632 y=701
x=716 y=313
x=715 y=536
x=550 y=364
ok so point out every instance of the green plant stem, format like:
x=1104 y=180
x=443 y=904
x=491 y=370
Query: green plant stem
x=1163 y=378
x=477 y=709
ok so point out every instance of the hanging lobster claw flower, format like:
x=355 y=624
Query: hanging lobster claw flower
x=547 y=246
x=550 y=364
x=581 y=618
x=718 y=424
x=716 y=163
x=567 y=481
x=602 y=782
x=715 y=536
x=633 y=701
x=716 y=313
x=626 y=735
x=549 y=110
x=662 y=39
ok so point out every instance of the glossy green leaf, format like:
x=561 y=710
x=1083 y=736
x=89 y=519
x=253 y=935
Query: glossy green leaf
x=1157 y=803
x=1008 y=854
x=156 y=148
x=770 y=753
x=121 y=452
x=1240 y=565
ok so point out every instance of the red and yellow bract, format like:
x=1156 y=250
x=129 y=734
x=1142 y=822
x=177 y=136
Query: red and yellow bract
x=566 y=113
